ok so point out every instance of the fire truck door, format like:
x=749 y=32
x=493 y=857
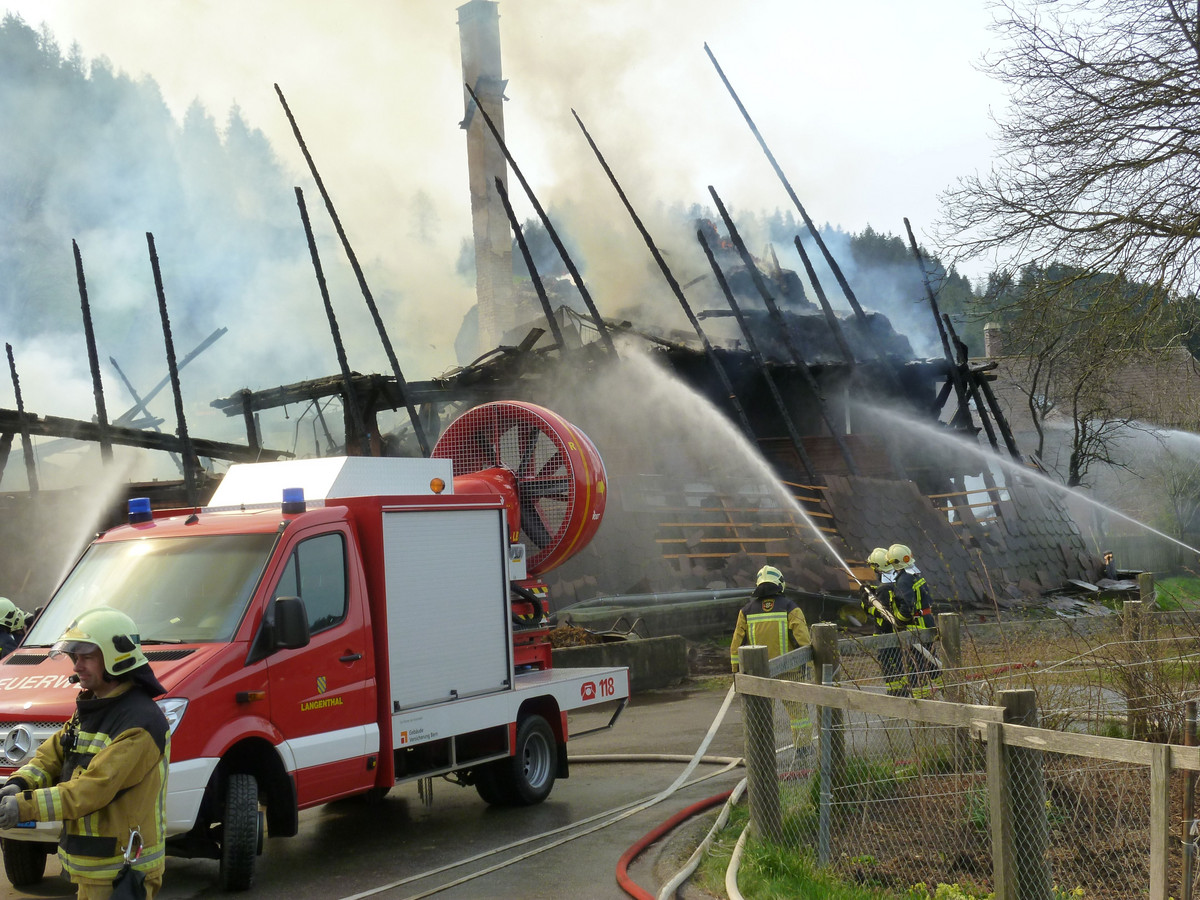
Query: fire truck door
x=322 y=696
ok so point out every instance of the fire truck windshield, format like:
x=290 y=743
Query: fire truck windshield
x=177 y=589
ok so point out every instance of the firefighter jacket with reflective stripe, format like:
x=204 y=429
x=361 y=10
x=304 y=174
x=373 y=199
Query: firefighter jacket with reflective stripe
x=889 y=596
x=914 y=594
x=102 y=774
x=768 y=622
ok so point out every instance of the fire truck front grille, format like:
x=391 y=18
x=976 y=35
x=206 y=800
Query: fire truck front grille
x=25 y=659
x=5 y=727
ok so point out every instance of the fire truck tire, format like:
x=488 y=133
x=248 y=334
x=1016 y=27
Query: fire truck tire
x=526 y=777
x=24 y=861
x=534 y=764
x=487 y=783
x=241 y=833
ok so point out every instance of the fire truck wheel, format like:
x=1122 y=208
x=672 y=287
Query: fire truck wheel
x=534 y=765
x=488 y=784
x=24 y=861
x=241 y=832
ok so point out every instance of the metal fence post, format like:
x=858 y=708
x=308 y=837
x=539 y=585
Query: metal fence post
x=1027 y=802
x=824 y=815
x=762 y=784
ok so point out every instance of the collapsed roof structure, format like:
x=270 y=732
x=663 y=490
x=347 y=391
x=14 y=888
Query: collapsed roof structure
x=778 y=430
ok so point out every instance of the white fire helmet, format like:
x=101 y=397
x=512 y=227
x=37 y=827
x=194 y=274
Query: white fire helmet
x=900 y=556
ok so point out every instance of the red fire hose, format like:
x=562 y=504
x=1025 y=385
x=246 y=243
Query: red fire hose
x=626 y=883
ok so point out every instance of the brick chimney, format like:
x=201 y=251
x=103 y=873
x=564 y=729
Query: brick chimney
x=993 y=340
x=479 y=39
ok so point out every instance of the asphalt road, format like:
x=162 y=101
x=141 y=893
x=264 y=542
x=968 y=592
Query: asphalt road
x=387 y=848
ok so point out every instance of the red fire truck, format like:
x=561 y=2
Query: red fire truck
x=337 y=626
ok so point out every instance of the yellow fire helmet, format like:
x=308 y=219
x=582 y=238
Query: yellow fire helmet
x=110 y=630
x=769 y=574
x=878 y=560
x=11 y=617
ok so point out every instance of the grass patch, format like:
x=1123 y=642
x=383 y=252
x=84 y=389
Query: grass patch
x=1181 y=592
x=771 y=872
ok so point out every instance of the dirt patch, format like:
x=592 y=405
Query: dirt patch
x=707 y=659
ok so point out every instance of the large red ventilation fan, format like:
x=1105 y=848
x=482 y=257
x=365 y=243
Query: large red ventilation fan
x=559 y=477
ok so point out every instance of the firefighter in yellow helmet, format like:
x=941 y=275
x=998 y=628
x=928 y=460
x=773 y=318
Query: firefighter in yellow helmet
x=879 y=602
x=774 y=621
x=12 y=626
x=104 y=773
x=913 y=603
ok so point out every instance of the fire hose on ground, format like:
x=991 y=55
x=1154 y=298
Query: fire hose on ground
x=607 y=818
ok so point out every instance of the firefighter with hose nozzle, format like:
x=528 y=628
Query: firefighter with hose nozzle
x=879 y=602
x=914 y=597
x=769 y=620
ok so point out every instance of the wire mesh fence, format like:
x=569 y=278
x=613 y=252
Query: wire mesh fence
x=899 y=797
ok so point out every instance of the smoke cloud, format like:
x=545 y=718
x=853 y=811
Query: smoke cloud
x=376 y=89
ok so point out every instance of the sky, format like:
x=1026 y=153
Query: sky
x=871 y=108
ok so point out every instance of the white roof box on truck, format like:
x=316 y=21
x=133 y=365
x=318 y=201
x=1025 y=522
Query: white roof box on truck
x=253 y=484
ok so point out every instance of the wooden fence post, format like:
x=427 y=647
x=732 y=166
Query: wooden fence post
x=999 y=793
x=826 y=653
x=1132 y=625
x=1189 y=804
x=1146 y=589
x=1160 y=819
x=1027 y=802
x=762 y=784
x=949 y=629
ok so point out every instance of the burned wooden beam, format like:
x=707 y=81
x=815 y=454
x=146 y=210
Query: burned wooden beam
x=22 y=425
x=354 y=414
x=812 y=228
x=78 y=430
x=673 y=284
x=759 y=362
x=547 y=310
x=139 y=405
x=955 y=371
x=191 y=464
x=784 y=333
x=93 y=358
x=550 y=230
x=362 y=281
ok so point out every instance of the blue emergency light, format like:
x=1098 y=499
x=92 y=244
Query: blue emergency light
x=293 y=500
x=139 y=510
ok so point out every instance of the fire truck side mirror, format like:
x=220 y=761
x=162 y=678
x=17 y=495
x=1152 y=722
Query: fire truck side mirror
x=291 y=624
x=284 y=627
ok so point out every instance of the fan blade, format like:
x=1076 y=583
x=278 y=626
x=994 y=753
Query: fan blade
x=532 y=524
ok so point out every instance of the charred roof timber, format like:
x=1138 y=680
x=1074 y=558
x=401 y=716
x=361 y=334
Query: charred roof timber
x=804 y=384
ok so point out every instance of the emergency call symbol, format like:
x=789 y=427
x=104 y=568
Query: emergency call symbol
x=608 y=688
